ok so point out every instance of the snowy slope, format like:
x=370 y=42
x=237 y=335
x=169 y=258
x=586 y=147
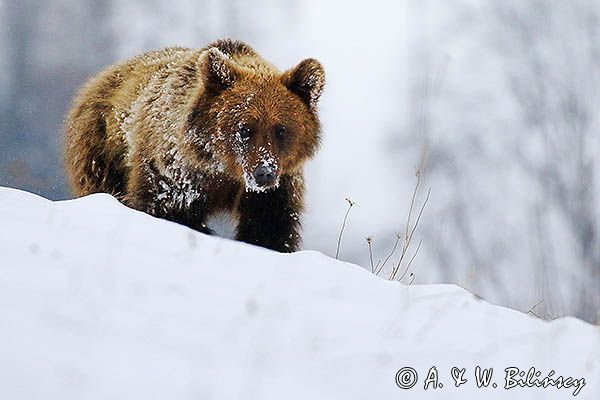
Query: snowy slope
x=102 y=302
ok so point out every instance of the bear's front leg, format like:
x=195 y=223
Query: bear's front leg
x=271 y=219
x=162 y=197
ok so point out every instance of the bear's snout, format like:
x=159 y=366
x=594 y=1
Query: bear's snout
x=264 y=175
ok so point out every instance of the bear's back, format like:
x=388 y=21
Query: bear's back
x=133 y=75
x=244 y=56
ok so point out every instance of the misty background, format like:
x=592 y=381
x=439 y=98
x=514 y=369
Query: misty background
x=494 y=103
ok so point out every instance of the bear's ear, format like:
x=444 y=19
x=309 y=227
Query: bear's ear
x=218 y=69
x=307 y=80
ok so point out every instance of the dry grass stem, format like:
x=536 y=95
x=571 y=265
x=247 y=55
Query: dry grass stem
x=370 y=244
x=339 y=243
x=398 y=237
x=399 y=271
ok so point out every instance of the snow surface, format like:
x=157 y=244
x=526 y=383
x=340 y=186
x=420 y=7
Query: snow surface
x=102 y=302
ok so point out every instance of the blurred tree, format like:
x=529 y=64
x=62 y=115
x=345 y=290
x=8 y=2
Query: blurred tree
x=21 y=18
x=52 y=48
x=552 y=57
x=515 y=172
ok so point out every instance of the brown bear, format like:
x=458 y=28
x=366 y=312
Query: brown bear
x=187 y=134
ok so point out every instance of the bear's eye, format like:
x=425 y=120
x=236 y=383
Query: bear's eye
x=280 y=132
x=245 y=131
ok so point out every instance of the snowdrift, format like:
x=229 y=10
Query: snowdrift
x=102 y=302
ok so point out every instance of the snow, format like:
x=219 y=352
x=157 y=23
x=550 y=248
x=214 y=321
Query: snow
x=99 y=301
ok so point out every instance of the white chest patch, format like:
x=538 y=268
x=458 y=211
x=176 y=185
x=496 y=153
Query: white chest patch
x=223 y=224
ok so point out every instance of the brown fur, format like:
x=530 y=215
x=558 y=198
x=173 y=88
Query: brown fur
x=177 y=133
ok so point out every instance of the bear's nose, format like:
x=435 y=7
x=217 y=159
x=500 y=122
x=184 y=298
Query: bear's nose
x=264 y=175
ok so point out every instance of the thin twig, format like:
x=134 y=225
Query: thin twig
x=398 y=237
x=408 y=239
x=420 y=214
x=411 y=260
x=408 y=235
x=350 y=205
x=412 y=202
x=414 y=228
x=370 y=243
x=416 y=252
x=530 y=311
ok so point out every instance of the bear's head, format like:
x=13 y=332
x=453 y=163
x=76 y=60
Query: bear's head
x=252 y=122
